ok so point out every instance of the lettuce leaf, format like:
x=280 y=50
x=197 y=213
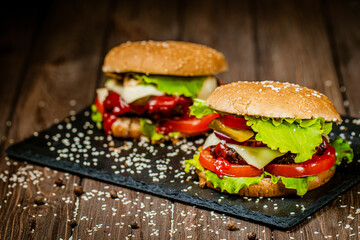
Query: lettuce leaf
x=148 y=129
x=343 y=150
x=174 y=134
x=231 y=184
x=294 y=135
x=200 y=109
x=96 y=116
x=187 y=86
x=194 y=162
x=301 y=184
x=234 y=184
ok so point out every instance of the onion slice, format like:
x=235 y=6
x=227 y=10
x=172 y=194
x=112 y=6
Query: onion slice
x=226 y=138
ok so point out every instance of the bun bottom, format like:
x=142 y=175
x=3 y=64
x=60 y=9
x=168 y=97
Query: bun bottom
x=125 y=127
x=267 y=189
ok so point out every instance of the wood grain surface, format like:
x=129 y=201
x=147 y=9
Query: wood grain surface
x=51 y=54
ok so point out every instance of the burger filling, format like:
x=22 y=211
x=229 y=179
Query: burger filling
x=245 y=149
x=161 y=102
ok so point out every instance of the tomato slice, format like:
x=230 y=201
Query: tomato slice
x=233 y=170
x=234 y=122
x=316 y=165
x=99 y=105
x=188 y=125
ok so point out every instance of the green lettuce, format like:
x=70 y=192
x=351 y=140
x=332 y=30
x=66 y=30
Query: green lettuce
x=148 y=129
x=200 y=109
x=300 y=184
x=187 y=86
x=194 y=162
x=174 y=134
x=231 y=184
x=234 y=184
x=343 y=150
x=294 y=135
x=96 y=116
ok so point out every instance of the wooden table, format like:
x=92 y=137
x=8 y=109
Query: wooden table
x=50 y=63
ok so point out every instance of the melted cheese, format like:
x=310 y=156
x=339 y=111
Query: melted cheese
x=208 y=87
x=132 y=93
x=258 y=157
x=211 y=140
x=102 y=93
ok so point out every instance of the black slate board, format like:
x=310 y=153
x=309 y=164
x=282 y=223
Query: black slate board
x=76 y=146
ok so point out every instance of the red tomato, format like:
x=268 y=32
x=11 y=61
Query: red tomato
x=232 y=170
x=316 y=165
x=234 y=122
x=99 y=105
x=188 y=125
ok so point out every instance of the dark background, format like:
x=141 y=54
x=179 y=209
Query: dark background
x=51 y=54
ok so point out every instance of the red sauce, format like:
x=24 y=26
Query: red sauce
x=164 y=129
x=220 y=150
x=220 y=164
x=167 y=106
x=158 y=107
x=109 y=119
x=115 y=104
x=138 y=109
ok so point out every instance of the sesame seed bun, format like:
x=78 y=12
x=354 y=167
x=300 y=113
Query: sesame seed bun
x=267 y=189
x=164 y=58
x=272 y=99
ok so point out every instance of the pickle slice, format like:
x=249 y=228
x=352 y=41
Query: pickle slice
x=240 y=135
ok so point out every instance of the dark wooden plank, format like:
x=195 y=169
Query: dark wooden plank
x=228 y=27
x=194 y=223
x=14 y=53
x=62 y=72
x=338 y=220
x=14 y=57
x=132 y=214
x=143 y=20
x=344 y=24
x=132 y=21
x=294 y=46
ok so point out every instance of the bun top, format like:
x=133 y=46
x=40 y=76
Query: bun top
x=164 y=58
x=272 y=99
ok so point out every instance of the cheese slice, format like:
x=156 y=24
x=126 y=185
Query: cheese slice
x=132 y=93
x=208 y=87
x=258 y=157
x=102 y=93
x=211 y=140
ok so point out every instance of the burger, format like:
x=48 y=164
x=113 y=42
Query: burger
x=270 y=139
x=151 y=86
